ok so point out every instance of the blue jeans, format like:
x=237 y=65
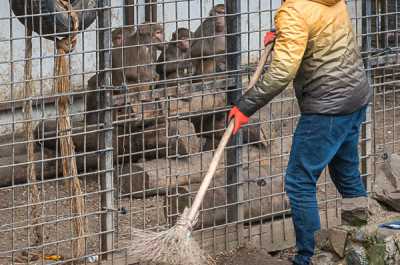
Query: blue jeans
x=321 y=140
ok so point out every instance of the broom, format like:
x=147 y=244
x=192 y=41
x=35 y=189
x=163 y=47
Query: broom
x=28 y=127
x=176 y=245
x=64 y=46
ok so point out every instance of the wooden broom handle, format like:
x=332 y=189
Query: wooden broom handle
x=224 y=140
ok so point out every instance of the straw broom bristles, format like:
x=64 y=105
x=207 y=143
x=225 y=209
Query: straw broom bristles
x=28 y=127
x=174 y=246
x=67 y=147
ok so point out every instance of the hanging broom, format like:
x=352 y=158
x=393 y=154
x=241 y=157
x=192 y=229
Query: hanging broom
x=176 y=245
x=34 y=196
x=65 y=46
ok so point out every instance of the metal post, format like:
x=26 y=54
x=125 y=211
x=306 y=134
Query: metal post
x=129 y=12
x=366 y=131
x=107 y=196
x=150 y=11
x=234 y=154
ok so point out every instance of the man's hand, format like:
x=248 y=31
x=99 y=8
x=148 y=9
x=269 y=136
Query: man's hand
x=240 y=118
x=269 y=37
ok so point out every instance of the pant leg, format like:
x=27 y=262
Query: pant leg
x=312 y=149
x=344 y=167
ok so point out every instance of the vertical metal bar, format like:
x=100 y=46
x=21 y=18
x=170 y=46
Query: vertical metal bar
x=13 y=130
x=366 y=131
x=107 y=196
x=233 y=22
x=150 y=10
x=129 y=12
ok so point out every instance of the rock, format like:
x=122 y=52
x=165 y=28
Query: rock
x=393 y=166
x=262 y=195
x=133 y=181
x=357 y=255
x=392 y=200
x=387 y=182
x=375 y=209
x=355 y=211
x=186 y=137
x=376 y=254
x=13 y=143
x=213 y=211
x=152 y=142
x=387 y=247
x=332 y=240
x=178 y=172
x=198 y=102
x=322 y=239
x=13 y=170
x=323 y=258
x=48 y=165
x=378 y=246
x=338 y=240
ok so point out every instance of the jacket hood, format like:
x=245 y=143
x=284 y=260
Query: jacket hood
x=327 y=2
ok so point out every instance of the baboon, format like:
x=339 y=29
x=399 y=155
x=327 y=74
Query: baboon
x=133 y=56
x=140 y=49
x=207 y=51
x=173 y=62
x=208 y=45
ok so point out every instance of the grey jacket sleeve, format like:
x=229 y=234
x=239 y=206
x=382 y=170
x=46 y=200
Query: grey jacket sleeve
x=290 y=45
x=257 y=97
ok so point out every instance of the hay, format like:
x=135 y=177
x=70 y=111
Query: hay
x=34 y=195
x=64 y=46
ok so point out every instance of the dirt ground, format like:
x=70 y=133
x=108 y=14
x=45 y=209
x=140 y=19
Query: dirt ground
x=244 y=256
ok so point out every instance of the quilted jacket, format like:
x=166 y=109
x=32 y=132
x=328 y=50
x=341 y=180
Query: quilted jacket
x=316 y=48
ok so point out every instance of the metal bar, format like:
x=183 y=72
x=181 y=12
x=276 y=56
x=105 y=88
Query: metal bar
x=129 y=12
x=366 y=133
x=107 y=196
x=233 y=22
x=150 y=10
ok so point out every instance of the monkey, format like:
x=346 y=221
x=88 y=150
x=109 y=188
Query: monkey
x=139 y=48
x=208 y=56
x=209 y=41
x=119 y=34
x=130 y=49
x=173 y=62
x=117 y=37
x=207 y=52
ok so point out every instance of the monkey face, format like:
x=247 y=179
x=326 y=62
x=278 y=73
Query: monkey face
x=220 y=21
x=158 y=38
x=184 y=44
x=218 y=14
x=117 y=41
x=181 y=37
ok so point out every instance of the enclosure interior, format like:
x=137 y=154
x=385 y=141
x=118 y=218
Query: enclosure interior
x=144 y=126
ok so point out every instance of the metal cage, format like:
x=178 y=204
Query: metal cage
x=142 y=145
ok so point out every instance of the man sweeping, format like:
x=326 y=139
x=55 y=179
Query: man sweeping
x=316 y=48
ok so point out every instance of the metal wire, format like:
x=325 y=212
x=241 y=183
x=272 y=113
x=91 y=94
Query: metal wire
x=142 y=154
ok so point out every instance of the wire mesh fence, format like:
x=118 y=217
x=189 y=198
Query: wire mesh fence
x=110 y=121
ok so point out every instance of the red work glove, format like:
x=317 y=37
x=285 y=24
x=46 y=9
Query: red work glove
x=269 y=37
x=240 y=119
